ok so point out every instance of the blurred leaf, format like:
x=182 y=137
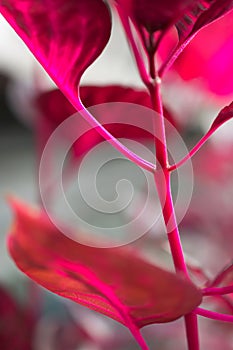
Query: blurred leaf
x=116 y=282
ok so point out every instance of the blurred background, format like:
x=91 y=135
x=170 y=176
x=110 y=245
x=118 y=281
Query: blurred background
x=194 y=99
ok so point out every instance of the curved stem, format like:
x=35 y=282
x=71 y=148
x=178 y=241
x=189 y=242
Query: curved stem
x=111 y=139
x=139 y=338
x=214 y=315
x=76 y=102
x=217 y=291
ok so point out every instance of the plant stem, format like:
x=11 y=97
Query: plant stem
x=139 y=338
x=163 y=183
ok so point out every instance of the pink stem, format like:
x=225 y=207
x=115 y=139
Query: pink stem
x=163 y=183
x=138 y=337
x=162 y=179
x=76 y=102
x=110 y=138
x=214 y=315
x=140 y=64
x=217 y=291
x=191 y=326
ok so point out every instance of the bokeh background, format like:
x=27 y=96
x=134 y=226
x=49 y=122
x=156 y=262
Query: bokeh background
x=61 y=325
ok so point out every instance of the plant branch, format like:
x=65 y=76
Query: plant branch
x=214 y=315
x=76 y=102
x=111 y=139
x=217 y=291
x=224 y=115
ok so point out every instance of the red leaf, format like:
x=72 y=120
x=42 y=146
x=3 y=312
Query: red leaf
x=116 y=282
x=65 y=36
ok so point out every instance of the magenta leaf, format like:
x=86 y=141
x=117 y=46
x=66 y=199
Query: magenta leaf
x=65 y=36
x=214 y=60
x=116 y=282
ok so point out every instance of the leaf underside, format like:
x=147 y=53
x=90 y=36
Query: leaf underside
x=115 y=282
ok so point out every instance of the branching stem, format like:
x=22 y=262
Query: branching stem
x=163 y=183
